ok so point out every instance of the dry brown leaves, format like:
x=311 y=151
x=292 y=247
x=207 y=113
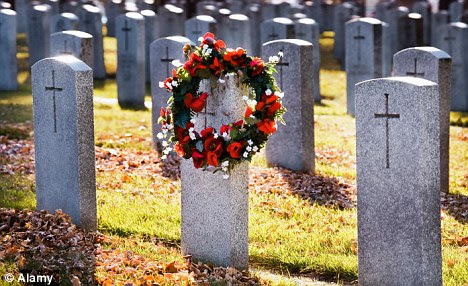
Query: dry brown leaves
x=16 y=156
x=334 y=157
x=315 y=188
x=456 y=206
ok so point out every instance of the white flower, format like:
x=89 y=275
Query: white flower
x=165 y=144
x=280 y=94
x=193 y=120
x=176 y=63
x=250 y=142
x=225 y=164
x=245 y=98
x=215 y=135
x=220 y=80
x=226 y=136
x=273 y=59
x=268 y=92
x=192 y=136
x=255 y=148
x=160 y=135
x=174 y=83
x=226 y=176
x=205 y=46
x=245 y=154
x=252 y=116
x=191 y=129
x=280 y=54
x=161 y=84
x=164 y=130
x=252 y=102
x=163 y=157
x=209 y=51
x=201 y=39
x=249 y=148
x=224 y=169
x=169 y=126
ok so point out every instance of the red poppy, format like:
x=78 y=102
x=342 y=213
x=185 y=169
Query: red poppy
x=256 y=65
x=216 y=67
x=182 y=135
x=260 y=105
x=168 y=83
x=179 y=149
x=273 y=108
x=269 y=99
x=235 y=149
x=213 y=145
x=238 y=123
x=198 y=158
x=225 y=129
x=165 y=114
x=209 y=39
x=267 y=126
x=207 y=132
x=236 y=57
x=196 y=104
x=248 y=112
x=212 y=158
x=194 y=64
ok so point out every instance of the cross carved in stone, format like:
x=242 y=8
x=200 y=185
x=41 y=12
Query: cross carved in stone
x=273 y=34
x=54 y=89
x=281 y=64
x=126 y=29
x=415 y=73
x=197 y=30
x=167 y=60
x=65 y=50
x=359 y=38
x=387 y=116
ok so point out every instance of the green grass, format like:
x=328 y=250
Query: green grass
x=287 y=235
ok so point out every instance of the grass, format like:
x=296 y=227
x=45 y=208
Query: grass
x=287 y=235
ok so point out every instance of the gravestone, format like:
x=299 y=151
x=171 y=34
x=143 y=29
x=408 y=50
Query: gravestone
x=464 y=18
x=434 y=65
x=162 y=53
x=54 y=6
x=275 y=29
x=386 y=50
x=214 y=209
x=424 y=9
x=308 y=30
x=207 y=9
x=364 y=54
x=38 y=34
x=393 y=19
x=313 y=10
x=62 y=89
x=438 y=19
x=8 y=61
x=328 y=15
x=197 y=26
x=90 y=22
x=398 y=182
x=171 y=21
x=292 y=146
x=453 y=39
x=410 y=31
x=456 y=10
x=151 y=34
x=130 y=29
x=21 y=7
x=284 y=10
x=237 y=32
x=76 y=43
x=146 y=5
x=113 y=9
x=343 y=13
x=71 y=7
x=222 y=17
x=64 y=22
x=235 y=6
x=253 y=11
x=268 y=11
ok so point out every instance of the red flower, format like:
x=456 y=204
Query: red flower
x=213 y=145
x=256 y=65
x=267 y=126
x=273 y=108
x=165 y=114
x=182 y=135
x=194 y=64
x=225 y=129
x=207 y=132
x=216 y=67
x=196 y=104
x=212 y=158
x=248 y=112
x=235 y=149
x=179 y=149
x=238 y=123
x=198 y=158
x=269 y=99
x=209 y=39
x=236 y=57
x=260 y=105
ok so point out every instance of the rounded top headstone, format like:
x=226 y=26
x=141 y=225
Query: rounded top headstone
x=69 y=15
x=79 y=34
x=173 y=9
x=205 y=18
x=238 y=17
x=282 y=20
x=459 y=25
x=299 y=16
x=8 y=12
x=91 y=8
x=117 y=1
x=307 y=21
x=148 y=13
x=224 y=11
x=297 y=42
x=404 y=79
x=41 y=8
x=414 y=16
x=134 y=15
x=5 y=5
x=131 y=7
x=369 y=20
x=430 y=50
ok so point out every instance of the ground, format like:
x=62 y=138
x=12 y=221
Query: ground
x=302 y=228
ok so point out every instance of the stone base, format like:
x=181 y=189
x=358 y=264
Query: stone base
x=215 y=215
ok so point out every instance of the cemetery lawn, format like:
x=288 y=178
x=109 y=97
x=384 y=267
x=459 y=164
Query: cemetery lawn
x=292 y=231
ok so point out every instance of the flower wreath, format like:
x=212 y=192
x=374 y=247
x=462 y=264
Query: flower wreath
x=213 y=149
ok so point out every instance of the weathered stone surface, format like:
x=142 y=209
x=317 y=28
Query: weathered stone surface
x=456 y=10
x=453 y=39
x=171 y=21
x=38 y=34
x=393 y=19
x=364 y=54
x=215 y=210
x=76 y=43
x=62 y=89
x=309 y=30
x=292 y=146
x=277 y=28
x=8 y=61
x=197 y=26
x=438 y=19
x=162 y=52
x=151 y=34
x=237 y=32
x=90 y=22
x=387 y=51
x=434 y=65
x=410 y=31
x=398 y=182
x=130 y=29
x=64 y=22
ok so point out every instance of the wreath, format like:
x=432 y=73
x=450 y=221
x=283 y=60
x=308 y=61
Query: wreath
x=219 y=149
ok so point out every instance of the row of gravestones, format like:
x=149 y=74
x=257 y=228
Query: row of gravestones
x=368 y=56
x=402 y=143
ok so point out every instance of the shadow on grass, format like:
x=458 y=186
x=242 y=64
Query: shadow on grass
x=459 y=119
x=456 y=205
x=17 y=191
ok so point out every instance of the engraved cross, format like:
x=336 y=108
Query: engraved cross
x=53 y=88
x=387 y=116
x=167 y=60
x=126 y=30
x=359 y=37
x=281 y=64
x=415 y=73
